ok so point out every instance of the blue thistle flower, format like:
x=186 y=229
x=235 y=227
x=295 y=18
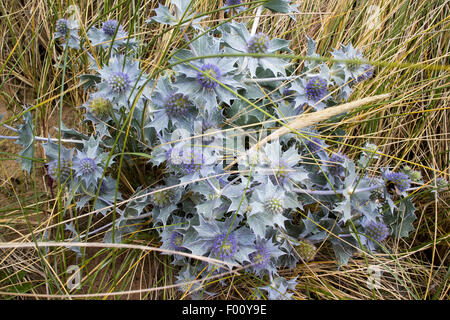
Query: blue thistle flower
x=224 y=245
x=65 y=169
x=259 y=43
x=87 y=165
x=267 y=205
x=399 y=180
x=312 y=89
x=221 y=239
x=62 y=27
x=239 y=39
x=109 y=27
x=261 y=257
x=264 y=258
x=105 y=35
x=377 y=231
x=67 y=29
x=210 y=70
x=316 y=88
x=336 y=166
x=314 y=145
x=200 y=79
x=177 y=104
x=176 y=241
x=121 y=81
x=169 y=106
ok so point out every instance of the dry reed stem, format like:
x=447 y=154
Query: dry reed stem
x=306 y=120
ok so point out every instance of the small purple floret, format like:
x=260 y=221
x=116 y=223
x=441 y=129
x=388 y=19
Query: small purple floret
x=109 y=27
x=213 y=71
x=260 y=258
x=176 y=241
x=399 y=179
x=316 y=88
x=224 y=245
x=119 y=82
x=87 y=166
x=377 y=231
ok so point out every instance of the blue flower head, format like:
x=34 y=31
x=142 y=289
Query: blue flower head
x=239 y=39
x=312 y=89
x=110 y=31
x=377 y=231
x=316 y=88
x=399 y=180
x=314 y=145
x=87 y=164
x=209 y=76
x=121 y=80
x=259 y=43
x=64 y=169
x=224 y=245
x=263 y=259
x=222 y=240
x=109 y=27
x=169 y=106
x=67 y=29
x=203 y=80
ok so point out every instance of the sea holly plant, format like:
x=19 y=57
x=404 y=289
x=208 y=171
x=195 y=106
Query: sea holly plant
x=269 y=210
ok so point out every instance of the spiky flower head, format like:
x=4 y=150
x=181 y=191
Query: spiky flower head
x=210 y=71
x=224 y=245
x=67 y=29
x=316 y=88
x=336 y=163
x=314 y=144
x=62 y=26
x=119 y=82
x=306 y=250
x=87 y=166
x=399 y=179
x=64 y=170
x=274 y=205
x=377 y=231
x=259 y=43
x=261 y=257
x=109 y=27
x=122 y=80
x=193 y=160
x=101 y=106
x=162 y=198
x=177 y=104
x=176 y=241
